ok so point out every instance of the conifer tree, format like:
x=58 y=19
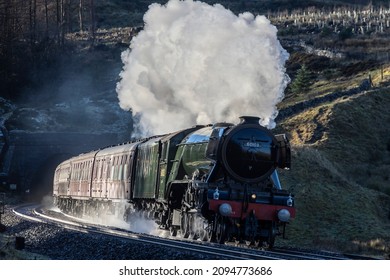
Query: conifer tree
x=302 y=81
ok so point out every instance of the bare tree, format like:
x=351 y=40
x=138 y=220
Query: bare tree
x=58 y=20
x=69 y=16
x=92 y=11
x=81 y=21
x=46 y=20
x=33 y=20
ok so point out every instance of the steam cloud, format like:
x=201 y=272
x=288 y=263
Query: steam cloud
x=197 y=64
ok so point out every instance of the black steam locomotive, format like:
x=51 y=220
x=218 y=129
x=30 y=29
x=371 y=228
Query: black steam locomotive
x=215 y=182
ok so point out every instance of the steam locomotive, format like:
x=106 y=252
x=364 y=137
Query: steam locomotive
x=216 y=182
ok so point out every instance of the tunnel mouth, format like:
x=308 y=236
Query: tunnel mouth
x=42 y=180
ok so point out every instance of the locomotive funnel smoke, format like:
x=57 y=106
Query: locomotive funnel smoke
x=196 y=64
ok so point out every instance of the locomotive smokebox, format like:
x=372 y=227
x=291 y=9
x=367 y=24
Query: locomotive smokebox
x=249 y=120
x=249 y=151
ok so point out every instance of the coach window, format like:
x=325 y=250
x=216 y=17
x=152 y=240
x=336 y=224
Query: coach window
x=119 y=177
x=118 y=165
x=102 y=163
x=86 y=170
x=110 y=170
x=125 y=167
x=89 y=170
x=73 y=173
x=113 y=168
x=124 y=175
x=81 y=171
x=76 y=171
x=116 y=168
x=120 y=171
x=101 y=169
x=96 y=169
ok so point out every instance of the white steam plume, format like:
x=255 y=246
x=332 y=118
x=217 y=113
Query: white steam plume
x=197 y=64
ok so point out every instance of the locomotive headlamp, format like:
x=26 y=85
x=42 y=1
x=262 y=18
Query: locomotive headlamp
x=290 y=201
x=253 y=196
x=216 y=194
x=284 y=215
x=225 y=209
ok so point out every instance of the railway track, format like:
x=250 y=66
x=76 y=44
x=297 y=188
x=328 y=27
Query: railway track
x=36 y=213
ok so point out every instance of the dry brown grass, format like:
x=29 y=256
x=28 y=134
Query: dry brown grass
x=341 y=175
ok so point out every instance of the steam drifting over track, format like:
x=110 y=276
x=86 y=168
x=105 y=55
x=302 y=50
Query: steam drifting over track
x=196 y=63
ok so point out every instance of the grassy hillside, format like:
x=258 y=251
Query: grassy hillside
x=340 y=175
